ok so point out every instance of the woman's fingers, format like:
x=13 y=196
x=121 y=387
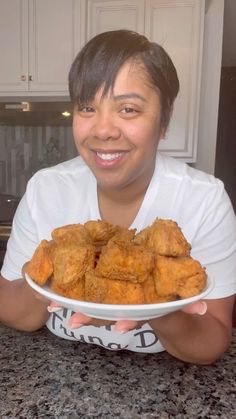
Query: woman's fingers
x=54 y=307
x=77 y=320
x=123 y=326
x=200 y=307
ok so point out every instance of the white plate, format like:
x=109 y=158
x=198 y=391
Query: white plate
x=115 y=311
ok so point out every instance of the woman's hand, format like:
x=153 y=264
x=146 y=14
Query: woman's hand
x=199 y=307
x=79 y=319
x=121 y=326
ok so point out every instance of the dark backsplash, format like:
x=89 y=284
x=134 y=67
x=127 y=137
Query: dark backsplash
x=26 y=149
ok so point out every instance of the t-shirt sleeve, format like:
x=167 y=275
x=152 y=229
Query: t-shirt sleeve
x=215 y=243
x=23 y=239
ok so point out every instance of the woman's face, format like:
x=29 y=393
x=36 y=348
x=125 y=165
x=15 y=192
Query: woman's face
x=118 y=135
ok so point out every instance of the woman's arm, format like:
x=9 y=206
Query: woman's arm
x=195 y=338
x=20 y=307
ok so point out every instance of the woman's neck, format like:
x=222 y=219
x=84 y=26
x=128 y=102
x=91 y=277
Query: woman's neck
x=120 y=207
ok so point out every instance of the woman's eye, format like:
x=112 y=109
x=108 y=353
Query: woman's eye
x=87 y=109
x=128 y=110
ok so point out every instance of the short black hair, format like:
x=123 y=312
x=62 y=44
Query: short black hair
x=100 y=60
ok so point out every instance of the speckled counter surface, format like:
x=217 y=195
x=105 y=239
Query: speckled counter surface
x=43 y=376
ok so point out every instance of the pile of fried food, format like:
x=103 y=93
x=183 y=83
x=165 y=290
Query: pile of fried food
x=103 y=263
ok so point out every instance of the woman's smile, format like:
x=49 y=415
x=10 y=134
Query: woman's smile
x=109 y=159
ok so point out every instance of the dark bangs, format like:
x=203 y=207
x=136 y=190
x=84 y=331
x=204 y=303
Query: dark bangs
x=163 y=75
x=99 y=62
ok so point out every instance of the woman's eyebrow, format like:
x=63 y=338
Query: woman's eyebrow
x=129 y=96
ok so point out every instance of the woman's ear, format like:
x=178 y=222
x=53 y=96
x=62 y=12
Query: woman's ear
x=163 y=133
x=165 y=124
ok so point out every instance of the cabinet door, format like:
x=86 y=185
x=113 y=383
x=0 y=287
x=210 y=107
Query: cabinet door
x=178 y=27
x=53 y=42
x=13 y=45
x=109 y=15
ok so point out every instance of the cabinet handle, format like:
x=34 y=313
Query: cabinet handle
x=23 y=77
x=30 y=78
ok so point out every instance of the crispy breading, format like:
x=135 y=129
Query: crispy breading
x=103 y=290
x=40 y=267
x=142 y=236
x=75 y=290
x=72 y=232
x=71 y=262
x=125 y=261
x=124 y=236
x=165 y=238
x=181 y=277
x=101 y=231
x=149 y=291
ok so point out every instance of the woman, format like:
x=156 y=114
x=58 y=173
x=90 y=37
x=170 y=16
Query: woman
x=123 y=88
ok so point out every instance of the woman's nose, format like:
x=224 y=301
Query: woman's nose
x=105 y=128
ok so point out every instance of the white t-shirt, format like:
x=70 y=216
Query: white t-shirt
x=67 y=193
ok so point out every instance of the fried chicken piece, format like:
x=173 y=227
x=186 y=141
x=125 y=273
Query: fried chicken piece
x=149 y=291
x=71 y=232
x=181 y=277
x=142 y=236
x=124 y=260
x=71 y=262
x=74 y=291
x=101 y=231
x=165 y=238
x=108 y=264
x=40 y=267
x=123 y=237
x=103 y=290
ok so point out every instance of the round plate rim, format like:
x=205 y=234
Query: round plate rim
x=118 y=307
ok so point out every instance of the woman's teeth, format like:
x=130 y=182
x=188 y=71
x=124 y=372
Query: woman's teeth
x=109 y=156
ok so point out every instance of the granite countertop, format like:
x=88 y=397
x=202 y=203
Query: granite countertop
x=43 y=376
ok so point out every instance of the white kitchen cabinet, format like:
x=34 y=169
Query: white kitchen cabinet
x=38 y=41
x=178 y=26
x=13 y=45
x=107 y=15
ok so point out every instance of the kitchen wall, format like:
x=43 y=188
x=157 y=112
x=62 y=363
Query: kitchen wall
x=220 y=14
x=229 y=34
x=225 y=167
x=26 y=149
